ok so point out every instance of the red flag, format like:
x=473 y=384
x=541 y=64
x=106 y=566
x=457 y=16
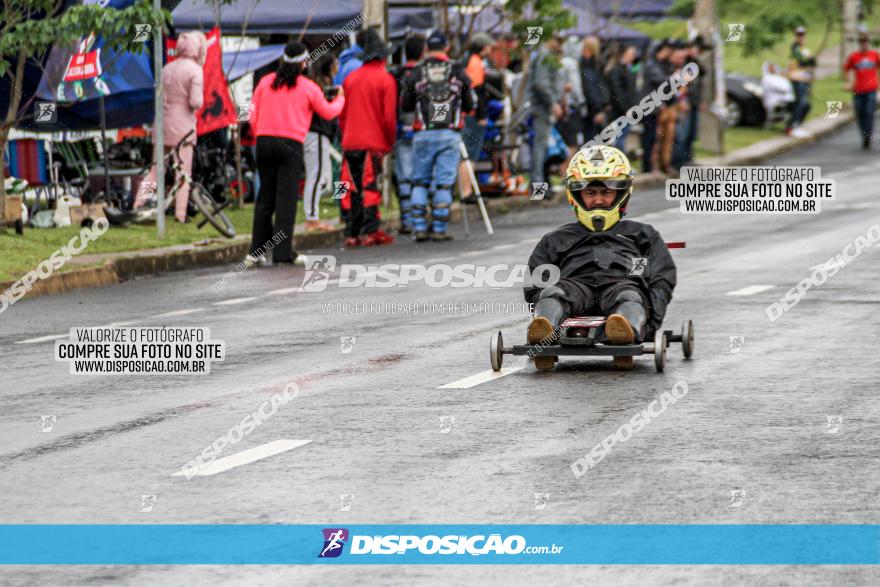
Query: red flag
x=218 y=110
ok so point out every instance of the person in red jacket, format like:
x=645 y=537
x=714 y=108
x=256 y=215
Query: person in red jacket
x=369 y=129
x=861 y=79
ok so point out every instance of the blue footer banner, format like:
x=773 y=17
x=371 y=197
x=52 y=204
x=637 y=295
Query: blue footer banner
x=626 y=544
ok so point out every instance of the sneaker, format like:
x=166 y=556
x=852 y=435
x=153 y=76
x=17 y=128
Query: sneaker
x=540 y=331
x=800 y=133
x=619 y=331
x=377 y=238
x=252 y=260
x=299 y=261
x=441 y=236
x=351 y=242
x=404 y=229
x=421 y=236
x=866 y=144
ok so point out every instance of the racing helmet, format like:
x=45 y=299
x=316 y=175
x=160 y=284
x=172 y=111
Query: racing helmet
x=604 y=166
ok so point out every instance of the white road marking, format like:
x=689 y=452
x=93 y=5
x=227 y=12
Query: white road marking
x=248 y=456
x=479 y=378
x=749 y=291
x=280 y=292
x=43 y=338
x=233 y=301
x=118 y=324
x=178 y=313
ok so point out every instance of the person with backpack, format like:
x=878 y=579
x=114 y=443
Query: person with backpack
x=413 y=49
x=440 y=95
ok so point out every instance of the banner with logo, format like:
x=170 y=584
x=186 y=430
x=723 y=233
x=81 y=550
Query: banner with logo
x=615 y=544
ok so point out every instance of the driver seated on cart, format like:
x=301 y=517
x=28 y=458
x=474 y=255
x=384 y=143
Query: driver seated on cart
x=609 y=266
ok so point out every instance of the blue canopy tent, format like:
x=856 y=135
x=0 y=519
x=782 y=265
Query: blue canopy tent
x=627 y=9
x=289 y=16
x=78 y=77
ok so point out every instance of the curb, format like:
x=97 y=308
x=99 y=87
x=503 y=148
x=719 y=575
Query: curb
x=138 y=264
x=130 y=265
x=763 y=150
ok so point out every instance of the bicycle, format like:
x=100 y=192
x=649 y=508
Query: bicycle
x=198 y=194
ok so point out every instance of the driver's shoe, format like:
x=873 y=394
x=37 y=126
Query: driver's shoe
x=542 y=329
x=619 y=331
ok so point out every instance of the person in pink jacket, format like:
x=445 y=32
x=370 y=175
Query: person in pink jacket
x=283 y=104
x=183 y=82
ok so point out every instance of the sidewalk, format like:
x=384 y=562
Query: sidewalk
x=108 y=268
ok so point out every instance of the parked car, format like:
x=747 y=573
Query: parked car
x=745 y=101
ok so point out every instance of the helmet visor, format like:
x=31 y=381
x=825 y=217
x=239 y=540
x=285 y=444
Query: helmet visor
x=576 y=188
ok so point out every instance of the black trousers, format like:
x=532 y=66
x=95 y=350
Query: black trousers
x=649 y=137
x=360 y=221
x=280 y=165
x=600 y=297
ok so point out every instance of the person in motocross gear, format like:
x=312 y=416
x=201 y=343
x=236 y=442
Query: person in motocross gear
x=619 y=268
x=440 y=95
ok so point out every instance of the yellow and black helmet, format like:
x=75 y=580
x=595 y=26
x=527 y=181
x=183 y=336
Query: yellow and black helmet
x=599 y=165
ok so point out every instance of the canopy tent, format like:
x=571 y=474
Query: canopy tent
x=77 y=78
x=245 y=61
x=626 y=9
x=289 y=16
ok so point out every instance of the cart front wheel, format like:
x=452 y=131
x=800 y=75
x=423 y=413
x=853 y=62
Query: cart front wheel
x=660 y=351
x=687 y=338
x=495 y=355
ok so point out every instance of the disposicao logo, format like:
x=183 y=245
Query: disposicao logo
x=334 y=540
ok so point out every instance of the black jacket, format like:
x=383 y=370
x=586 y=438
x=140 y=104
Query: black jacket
x=606 y=256
x=622 y=83
x=595 y=90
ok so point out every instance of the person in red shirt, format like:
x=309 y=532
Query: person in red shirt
x=861 y=79
x=369 y=129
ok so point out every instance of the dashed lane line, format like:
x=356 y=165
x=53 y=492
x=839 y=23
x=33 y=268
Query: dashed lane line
x=245 y=457
x=479 y=378
x=749 y=291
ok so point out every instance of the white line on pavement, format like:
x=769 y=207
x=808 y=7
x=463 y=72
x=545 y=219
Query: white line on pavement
x=479 y=378
x=42 y=338
x=178 y=313
x=118 y=324
x=286 y=290
x=749 y=291
x=233 y=301
x=245 y=457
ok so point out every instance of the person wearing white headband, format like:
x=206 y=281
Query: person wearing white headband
x=282 y=109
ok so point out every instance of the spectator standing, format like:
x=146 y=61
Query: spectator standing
x=316 y=150
x=801 y=72
x=475 y=68
x=653 y=75
x=283 y=103
x=861 y=73
x=350 y=59
x=414 y=48
x=369 y=131
x=571 y=124
x=545 y=93
x=183 y=80
x=594 y=88
x=689 y=119
x=668 y=117
x=440 y=95
x=622 y=86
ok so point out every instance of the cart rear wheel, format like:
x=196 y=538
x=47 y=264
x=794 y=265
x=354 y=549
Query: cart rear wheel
x=687 y=338
x=660 y=351
x=495 y=355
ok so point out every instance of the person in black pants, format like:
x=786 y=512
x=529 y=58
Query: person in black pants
x=654 y=74
x=280 y=165
x=283 y=105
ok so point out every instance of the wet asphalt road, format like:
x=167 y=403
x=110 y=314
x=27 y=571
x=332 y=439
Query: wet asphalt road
x=379 y=422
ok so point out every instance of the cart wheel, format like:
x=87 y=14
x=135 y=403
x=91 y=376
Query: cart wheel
x=687 y=338
x=495 y=355
x=660 y=351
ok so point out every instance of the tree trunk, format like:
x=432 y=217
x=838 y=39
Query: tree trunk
x=6 y=126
